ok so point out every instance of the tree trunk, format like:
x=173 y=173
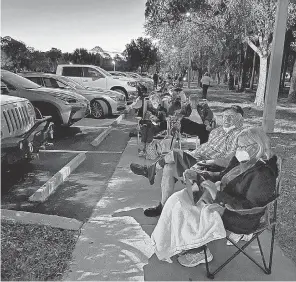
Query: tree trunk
x=244 y=70
x=253 y=71
x=259 y=100
x=218 y=77
x=225 y=79
x=199 y=75
x=292 y=92
x=230 y=81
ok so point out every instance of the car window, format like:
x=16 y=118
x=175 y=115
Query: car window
x=72 y=71
x=105 y=72
x=72 y=83
x=50 y=82
x=63 y=85
x=90 y=72
x=37 y=80
x=17 y=81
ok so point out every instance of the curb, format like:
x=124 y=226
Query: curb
x=49 y=187
x=41 y=219
x=105 y=133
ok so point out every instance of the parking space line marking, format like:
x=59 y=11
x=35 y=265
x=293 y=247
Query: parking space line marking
x=78 y=152
x=101 y=137
x=104 y=134
x=50 y=186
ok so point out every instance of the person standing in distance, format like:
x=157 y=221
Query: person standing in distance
x=155 y=79
x=206 y=81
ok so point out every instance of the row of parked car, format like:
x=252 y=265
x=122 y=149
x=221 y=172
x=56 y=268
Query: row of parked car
x=33 y=104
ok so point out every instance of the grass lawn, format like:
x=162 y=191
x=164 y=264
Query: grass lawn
x=283 y=142
x=34 y=252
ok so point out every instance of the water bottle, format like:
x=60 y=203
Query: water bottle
x=197 y=142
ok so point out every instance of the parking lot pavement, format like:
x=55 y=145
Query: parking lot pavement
x=21 y=182
x=78 y=195
x=75 y=138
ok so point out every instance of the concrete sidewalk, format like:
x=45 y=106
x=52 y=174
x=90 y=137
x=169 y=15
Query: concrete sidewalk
x=115 y=243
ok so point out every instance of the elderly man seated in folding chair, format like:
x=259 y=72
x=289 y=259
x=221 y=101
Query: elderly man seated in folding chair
x=221 y=144
x=236 y=199
x=198 y=119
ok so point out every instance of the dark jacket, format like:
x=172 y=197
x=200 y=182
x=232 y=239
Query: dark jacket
x=253 y=188
x=203 y=109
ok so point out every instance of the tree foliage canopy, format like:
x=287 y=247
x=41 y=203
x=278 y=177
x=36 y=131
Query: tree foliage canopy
x=141 y=53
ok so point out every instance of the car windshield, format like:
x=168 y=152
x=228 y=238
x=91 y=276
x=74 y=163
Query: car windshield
x=72 y=83
x=104 y=72
x=18 y=81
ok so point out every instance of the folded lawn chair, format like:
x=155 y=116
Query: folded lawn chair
x=270 y=210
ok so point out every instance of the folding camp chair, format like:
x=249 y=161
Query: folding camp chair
x=270 y=210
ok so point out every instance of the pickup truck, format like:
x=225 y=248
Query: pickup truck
x=96 y=77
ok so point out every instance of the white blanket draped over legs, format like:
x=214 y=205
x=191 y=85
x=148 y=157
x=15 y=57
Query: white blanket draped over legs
x=184 y=226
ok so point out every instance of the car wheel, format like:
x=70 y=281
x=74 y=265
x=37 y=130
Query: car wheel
x=99 y=109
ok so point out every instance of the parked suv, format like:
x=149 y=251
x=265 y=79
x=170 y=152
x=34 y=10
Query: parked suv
x=65 y=107
x=22 y=134
x=102 y=102
x=96 y=77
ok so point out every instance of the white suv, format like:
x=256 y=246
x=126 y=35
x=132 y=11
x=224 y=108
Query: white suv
x=96 y=77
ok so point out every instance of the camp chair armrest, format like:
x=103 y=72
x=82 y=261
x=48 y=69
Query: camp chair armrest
x=254 y=210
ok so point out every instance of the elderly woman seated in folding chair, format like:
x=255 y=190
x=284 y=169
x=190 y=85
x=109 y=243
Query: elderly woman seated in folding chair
x=186 y=224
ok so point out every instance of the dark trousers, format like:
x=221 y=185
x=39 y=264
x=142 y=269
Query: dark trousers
x=149 y=130
x=204 y=91
x=192 y=128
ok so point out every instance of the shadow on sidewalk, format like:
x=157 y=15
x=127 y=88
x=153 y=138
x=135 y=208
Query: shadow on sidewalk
x=240 y=269
x=156 y=270
x=146 y=223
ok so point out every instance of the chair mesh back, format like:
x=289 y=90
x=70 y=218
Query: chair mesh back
x=278 y=188
x=279 y=178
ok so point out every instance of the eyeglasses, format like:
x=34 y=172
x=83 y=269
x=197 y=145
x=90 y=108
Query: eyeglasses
x=244 y=147
x=228 y=116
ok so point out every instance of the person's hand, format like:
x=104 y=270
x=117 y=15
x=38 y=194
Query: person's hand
x=154 y=118
x=208 y=128
x=189 y=175
x=211 y=187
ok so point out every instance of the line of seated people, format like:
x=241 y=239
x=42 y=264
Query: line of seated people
x=234 y=167
x=192 y=117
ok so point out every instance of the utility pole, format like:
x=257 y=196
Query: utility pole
x=274 y=74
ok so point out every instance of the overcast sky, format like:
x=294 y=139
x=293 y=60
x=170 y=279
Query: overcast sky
x=70 y=24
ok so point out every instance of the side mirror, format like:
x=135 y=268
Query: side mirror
x=4 y=89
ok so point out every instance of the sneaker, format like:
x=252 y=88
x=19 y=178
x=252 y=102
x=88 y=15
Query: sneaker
x=247 y=237
x=191 y=259
x=139 y=169
x=153 y=212
x=234 y=237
